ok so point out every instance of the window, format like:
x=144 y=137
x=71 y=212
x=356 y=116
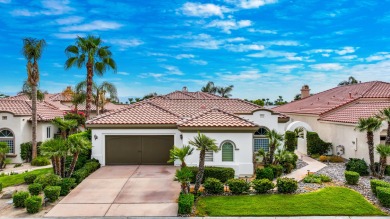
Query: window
x=259 y=143
x=4 y=117
x=262 y=115
x=227 y=151
x=48 y=132
x=8 y=137
x=209 y=156
x=261 y=131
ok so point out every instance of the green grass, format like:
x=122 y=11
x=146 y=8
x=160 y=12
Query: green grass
x=325 y=202
x=19 y=178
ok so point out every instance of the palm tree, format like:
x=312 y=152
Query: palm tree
x=384 y=152
x=274 y=141
x=202 y=143
x=27 y=89
x=209 y=88
x=56 y=149
x=77 y=143
x=225 y=91
x=90 y=52
x=184 y=176
x=385 y=115
x=66 y=126
x=369 y=125
x=351 y=80
x=77 y=99
x=32 y=51
x=180 y=154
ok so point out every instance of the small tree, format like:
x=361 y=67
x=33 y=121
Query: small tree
x=3 y=152
x=274 y=141
x=77 y=143
x=384 y=152
x=290 y=141
x=66 y=126
x=385 y=116
x=56 y=149
x=184 y=176
x=180 y=154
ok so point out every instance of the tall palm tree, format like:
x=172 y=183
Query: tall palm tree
x=369 y=125
x=383 y=151
x=385 y=115
x=225 y=91
x=274 y=141
x=180 y=154
x=209 y=88
x=77 y=99
x=77 y=143
x=32 y=51
x=27 y=89
x=90 y=52
x=351 y=80
x=202 y=143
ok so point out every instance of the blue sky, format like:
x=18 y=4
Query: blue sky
x=265 y=48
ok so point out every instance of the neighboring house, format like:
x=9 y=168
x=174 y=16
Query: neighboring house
x=334 y=114
x=144 y=132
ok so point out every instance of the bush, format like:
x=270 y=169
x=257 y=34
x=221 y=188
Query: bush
x=315 y=156
x=238 y=186
x=357 y=165
x=286 y=185
x=1 y=186
x=336 y=159
x=49 y=179
x=324 y=158
x=376 y=183
x=265 y=173
x=33 y=204
x=277 y=170
x=290 y=140
x=40 y=161
x=52 y=192
x=312 y=178
x=35 y=188
x=29 y=178
x=221 y=173
x=213 y=186
x=315 y=145
x=80 y=175
x=91 y=166
x=66 y=185
x=186 y=201
x=387 y=170
x=351 y=177
x=262 y=185
x=79 y=117
x=26 y=150
x=19 y=197
x=384 y=196
x=325 y=178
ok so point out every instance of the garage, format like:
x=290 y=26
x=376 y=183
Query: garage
x=138 y=149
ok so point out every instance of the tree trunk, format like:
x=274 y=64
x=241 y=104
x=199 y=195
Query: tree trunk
x=370 y=142
x=388 y=134
x=97 y=102
x=73 y=164
x=58 y=164
x=89 y=89
x=199 y=175
x=34 y=119
x=271 y=153
x=383 y=164
x=53 y=163
x=63 y=161
x=183 y=164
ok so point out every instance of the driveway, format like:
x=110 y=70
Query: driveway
x=123 y=191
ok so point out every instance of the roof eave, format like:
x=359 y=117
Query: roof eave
x=133 y=126
x=225 y=129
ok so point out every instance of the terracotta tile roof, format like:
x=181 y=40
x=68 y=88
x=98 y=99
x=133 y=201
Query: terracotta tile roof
x=179 y=95
x=107 y=107
x=216 y=118
x=352 y=112
x=45 y=111
x=20 y=96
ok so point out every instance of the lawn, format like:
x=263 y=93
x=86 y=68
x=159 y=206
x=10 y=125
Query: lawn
x=326 y=202
x=19 y=178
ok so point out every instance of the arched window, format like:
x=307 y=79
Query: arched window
x=260 y=140
x=262 y=131
x=227 y=151
x=8 y=137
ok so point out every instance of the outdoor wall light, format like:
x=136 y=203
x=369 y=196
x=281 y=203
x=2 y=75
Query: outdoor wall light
x=95 y=137
x=181 y=136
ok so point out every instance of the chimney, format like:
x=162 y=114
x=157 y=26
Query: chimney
x=305 y=91
x=185 y=89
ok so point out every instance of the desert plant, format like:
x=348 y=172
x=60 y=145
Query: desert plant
x=274 y=142
x=383 y=151
x=262 y=185
x=238 y=186
x=184 y=176
x=351 y=177
x=213 y=186
x=180 y=154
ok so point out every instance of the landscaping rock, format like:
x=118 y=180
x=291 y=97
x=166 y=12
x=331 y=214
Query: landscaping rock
x=7 y=194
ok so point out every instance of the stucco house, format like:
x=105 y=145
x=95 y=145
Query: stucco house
x=334 y=114
x=144 y=132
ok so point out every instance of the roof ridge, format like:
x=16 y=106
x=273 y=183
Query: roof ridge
x=161 y=108
x=116 y=111
x=339 y=106
x=369 y=89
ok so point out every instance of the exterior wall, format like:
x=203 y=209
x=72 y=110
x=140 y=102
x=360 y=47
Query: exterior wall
x=42 y=131
x=269 y=121
x=242 y=158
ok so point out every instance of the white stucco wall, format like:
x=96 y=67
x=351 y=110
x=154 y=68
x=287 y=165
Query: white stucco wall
x=267 y=120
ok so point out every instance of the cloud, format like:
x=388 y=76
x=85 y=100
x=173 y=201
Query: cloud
x=48 y=7
x=349 y=57
x=327 y=67
x=228 y=25
x=249 y=4
x=252 y=30
x=283 y=43
x=69 y=20
x=244 y=47
x=124 y=44
x=327 y=52
x=122 y=73
x=184 y=56
x=251 y=74
x=198 y=62
x=150 y=74
x=346 y=50
x=57 y=65
x=203 y=41
x=172 y=70
x=272 y=54
x=202 y=10
x=94 y=25
x=68 y=35
x=379 y=56
x=24 y=13
x=236 y=39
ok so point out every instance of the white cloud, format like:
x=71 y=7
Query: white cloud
x=327 y=52
x=346 y=50
x=327 y=67
x=173 y=70
x=198 y=62
x=184 y=56
x=94 y=25
x=202 y=10
x=24 y=13
x=203 y=41
x=251 y=74
x=150 y=74
x=283 y=43
x=122 y=73
x=379 y=56
x=244 y=47
x=236 y=39
x=69 y=20
x=57 y=65
x=49 y=7
x=68 y=35
x=272 y=54
x=125 y=43
x=252 y=30
x=228 y=25
x=249 y=4
x=349 y=57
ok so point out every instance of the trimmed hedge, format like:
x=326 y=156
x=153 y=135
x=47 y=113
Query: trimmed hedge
x=33 y=204
x=186 y=201
x=262 y=186
x=265 y=173
x=286 y=185
x=277 y=170
x=315 y=145
x=221 y=173
x=387 y=170
x=238 y=186
x=357 y=165
x=376 y=183
x=89 y=167
x=213 y=186
x=351 y=177
x=66 y=185
x=384 y=196
x=19 y=197
x=29 y=178
x=40 y=161
x=26 y=151
x=290 y=140
x=52 y=192
x=35 y=188
x=49 y=179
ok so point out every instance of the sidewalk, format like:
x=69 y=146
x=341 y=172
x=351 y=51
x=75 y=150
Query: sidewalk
x=313 y=166
x=22 y=169
x=297 y=217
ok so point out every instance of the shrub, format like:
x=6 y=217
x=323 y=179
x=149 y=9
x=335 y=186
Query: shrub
x=315 y=145
x=52 y=192
x=312 y=178
x=213 y=186
x=387 y=170
x=336 y=159
x=79 y=117
x=375 y=183
x=1 y=186
x=19 y=197
x=357 y=165
x=66 y=185
x=186 y=201
x=384 y=196
x=265 y=173
x=35 y=188
x=26 y=150
x=315 y=156
x=80 y=175
x=221 y=173
x=91 y=166
x=262 y=185
x=290 y=140
x=238 y=186
x=29 y=178
x=49 y=179
x=325 y=178
x=286 y=185
x=324 y=158
x=40 y=161
x=33 y=204
x=277 y=170
x=351 y=177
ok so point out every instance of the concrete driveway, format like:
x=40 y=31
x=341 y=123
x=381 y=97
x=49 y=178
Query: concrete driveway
x=123 y=191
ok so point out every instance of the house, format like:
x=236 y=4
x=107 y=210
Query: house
x=144 y=132
x=334 y=114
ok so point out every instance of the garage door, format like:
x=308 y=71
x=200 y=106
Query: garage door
x=139 y=149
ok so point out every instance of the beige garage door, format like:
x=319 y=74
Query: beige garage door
x=139 y=149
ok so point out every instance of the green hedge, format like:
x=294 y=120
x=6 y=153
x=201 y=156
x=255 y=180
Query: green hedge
x=221 y=173
x=262 y=185
x=40 y=161
x=66 y=185
x=357 y=165
x=265 y=173
x=213 y=186
x=238 y=186
x=277 y=170
x=351 y=177
x=49 y=179
x=52 y=192
x=89 y=167
x=315 y=145
x=35 y=188
x=29 y=178
x=375 y=183
x=26 y=150
x=290 y=140
x=186 y=201
x=286 y=185
x=33 y=204
x=19 y=197
x=384 y=196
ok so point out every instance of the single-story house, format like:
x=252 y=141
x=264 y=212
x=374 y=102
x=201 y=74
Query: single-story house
x=144 y=132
